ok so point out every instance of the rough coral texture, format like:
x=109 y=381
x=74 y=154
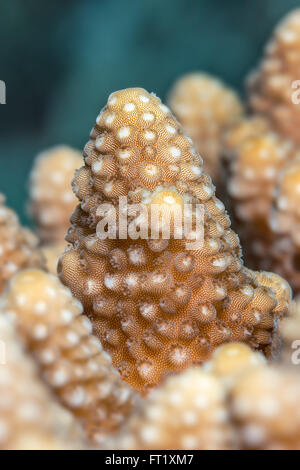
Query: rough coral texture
x=157 y=305
x=265 y=408
x=52 y=200
x=52 y=254
x=70 y=358
x=30 y=419
x=205 y=107
x=18 y=245
x=188 y=412
x=271 y=85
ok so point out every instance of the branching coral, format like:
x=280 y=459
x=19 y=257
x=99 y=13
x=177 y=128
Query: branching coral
x=52 y=254
x=271 y=86
x=29 y=416
x=18 y=246
x=52 y=200
x=70 y=357
x=157 y=305
x=188 y=412
x=265 y=408
x=205 y=107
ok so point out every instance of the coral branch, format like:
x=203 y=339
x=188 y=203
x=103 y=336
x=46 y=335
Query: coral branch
x=52 y=200
x=205 y=107
x=70 y=357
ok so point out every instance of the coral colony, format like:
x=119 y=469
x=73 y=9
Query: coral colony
x=152 y=333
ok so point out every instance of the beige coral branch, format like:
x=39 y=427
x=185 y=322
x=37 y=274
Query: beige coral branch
x=205 y=107
x=271 y=85
x=30 y=419
x=156 y=305
x=18 y=245
x=70 y=358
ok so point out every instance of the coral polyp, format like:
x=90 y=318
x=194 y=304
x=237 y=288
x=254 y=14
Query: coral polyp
x=158 y=305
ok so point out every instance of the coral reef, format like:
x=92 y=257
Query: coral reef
x=51 y=197
x=18 y=246
x=30 y=419
x=157 y=305
x=271 y=85
x=188 y=412
x=71 y=359
x=205 y=107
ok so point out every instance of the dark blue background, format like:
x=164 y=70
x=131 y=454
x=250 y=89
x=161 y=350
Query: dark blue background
x=60 y=59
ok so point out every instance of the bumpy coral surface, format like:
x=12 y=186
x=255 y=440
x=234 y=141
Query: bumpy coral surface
x=52 y=199
x=70 y=357
x=205 y=107
x=265 y=408
x=188 y=412
x=52 y=254
x=18 y=246
x=156 y=304
x=29 y=416
x=270 y=87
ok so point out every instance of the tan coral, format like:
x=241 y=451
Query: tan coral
x=189 y=411
x=52 y=254
x=254 y=157
x=205 y=107
x=271 y=86
x=51 y=197
x=157 y=305
x=70 y=357
x=18 y=245
x=265 y=408
x=30 y=419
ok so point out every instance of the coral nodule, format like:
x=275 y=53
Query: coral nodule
x=51 y=197
x=159 y=305
x=18 y=245
x=70 y=357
